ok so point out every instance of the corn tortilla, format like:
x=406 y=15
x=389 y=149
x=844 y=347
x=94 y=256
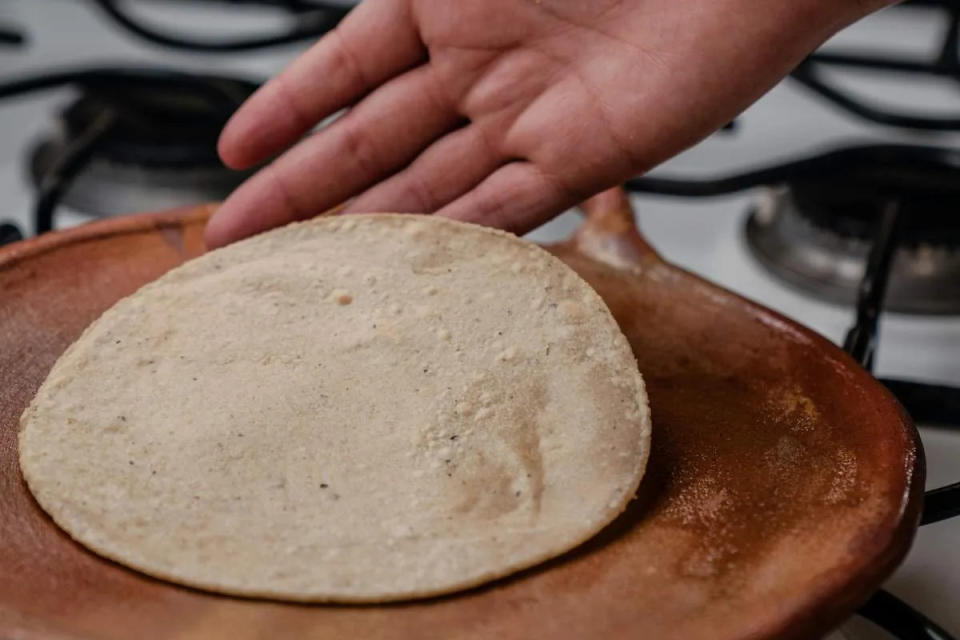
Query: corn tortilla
x=353 y=409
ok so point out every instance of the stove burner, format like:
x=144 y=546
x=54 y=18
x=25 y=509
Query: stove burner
x=793 y=233
x=814 y=225
x=136 y=141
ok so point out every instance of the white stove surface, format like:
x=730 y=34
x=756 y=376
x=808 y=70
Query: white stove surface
x=703 y=235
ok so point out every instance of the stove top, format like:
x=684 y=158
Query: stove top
x=845 y=243
x=814 y=221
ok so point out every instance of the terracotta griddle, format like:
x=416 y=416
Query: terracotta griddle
x=784 y=482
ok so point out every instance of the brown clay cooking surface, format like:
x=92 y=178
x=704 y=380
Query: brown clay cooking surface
x=783 y=485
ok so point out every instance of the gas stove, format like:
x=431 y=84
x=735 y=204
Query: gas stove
x=833 y=199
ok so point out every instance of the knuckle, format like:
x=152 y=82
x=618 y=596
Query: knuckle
x=493 y=209
x=489 y=140
x=291 y=206
x=418 y=193
x=553 y=184
x=290 y=102
x=358 y=147
x=344 y=60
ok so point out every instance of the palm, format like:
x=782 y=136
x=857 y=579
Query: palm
x=502 y=112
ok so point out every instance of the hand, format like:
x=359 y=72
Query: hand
x=504 y=112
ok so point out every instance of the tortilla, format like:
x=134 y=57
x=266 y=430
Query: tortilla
x=353 y=409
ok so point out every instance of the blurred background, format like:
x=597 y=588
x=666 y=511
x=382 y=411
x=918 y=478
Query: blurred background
x=835 y=199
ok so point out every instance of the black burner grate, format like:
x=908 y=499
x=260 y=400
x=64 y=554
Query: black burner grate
x=312 y=19
x=139 y=117
x=945 y=65
x=883 y=608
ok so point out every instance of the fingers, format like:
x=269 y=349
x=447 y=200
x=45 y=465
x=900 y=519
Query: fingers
x=375 y=42
x=517 y=197
x=385 y=131
x=446 y=170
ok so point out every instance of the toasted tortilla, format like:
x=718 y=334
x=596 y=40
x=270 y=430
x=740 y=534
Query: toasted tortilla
x=354 y=409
